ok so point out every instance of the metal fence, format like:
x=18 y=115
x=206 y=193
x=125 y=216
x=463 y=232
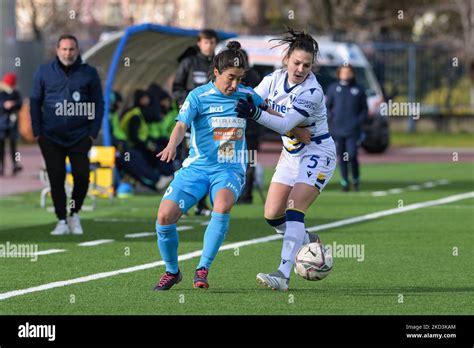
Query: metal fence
x=432 y=76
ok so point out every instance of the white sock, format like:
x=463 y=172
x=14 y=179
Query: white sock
x=292 y=241
x=280 y=229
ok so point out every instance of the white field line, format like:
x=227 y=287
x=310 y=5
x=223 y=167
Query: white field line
x=393 y=211
x=148 y=234
x=50 y=251
x=111 y=219
x=191 y=255
x=96 y=242
x=429 y=184
x=140 y=234
x=39 y=253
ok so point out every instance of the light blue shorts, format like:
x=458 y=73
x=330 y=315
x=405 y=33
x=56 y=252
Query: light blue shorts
x=190 y=185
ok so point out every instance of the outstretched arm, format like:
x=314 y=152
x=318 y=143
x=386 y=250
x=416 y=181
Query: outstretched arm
x=169 y=152
x=280 y=125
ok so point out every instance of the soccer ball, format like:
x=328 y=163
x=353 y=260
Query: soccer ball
x=313 y=261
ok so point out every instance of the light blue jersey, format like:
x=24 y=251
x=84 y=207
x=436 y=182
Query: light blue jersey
x=217 y=134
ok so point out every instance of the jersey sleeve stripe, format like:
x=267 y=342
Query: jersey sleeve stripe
x=301 y=111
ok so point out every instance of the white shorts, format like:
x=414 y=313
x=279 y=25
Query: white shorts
x=313 y=165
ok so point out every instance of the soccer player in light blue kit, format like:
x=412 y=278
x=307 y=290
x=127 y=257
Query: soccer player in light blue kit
x=216 y=164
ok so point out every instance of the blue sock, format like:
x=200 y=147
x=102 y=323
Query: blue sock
x=168 y=242
x=213 y=238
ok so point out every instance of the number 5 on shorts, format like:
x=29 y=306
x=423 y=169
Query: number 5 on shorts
x=313 y=158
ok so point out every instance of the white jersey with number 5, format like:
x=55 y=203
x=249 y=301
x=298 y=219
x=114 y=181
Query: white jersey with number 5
x=301 y=105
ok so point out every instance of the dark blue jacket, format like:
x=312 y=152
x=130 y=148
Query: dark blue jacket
x=347 y=109
x=66 y=107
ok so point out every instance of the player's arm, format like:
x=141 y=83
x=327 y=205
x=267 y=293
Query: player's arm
x=280 y=125
x=177 y=135
x=302 y=134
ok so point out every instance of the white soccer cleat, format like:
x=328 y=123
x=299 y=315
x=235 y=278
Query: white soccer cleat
x=61 y=228
x=74 y=223
x=275 y=281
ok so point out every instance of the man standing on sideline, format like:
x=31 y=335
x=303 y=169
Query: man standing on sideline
x=66 y=112
x=193 y=71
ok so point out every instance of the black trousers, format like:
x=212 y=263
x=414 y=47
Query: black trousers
x=55 y=157
x=347 y=152
x=12 y=136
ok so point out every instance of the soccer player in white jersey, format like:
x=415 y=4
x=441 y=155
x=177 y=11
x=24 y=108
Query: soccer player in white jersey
x=303 y=169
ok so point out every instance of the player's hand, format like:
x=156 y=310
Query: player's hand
x=302 y=134
x=168 y=154
x=247 y=109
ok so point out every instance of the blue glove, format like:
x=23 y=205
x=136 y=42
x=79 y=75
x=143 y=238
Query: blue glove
x=247 y=109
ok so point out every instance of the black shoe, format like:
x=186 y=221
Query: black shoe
x=202 y=210
x=17 y=168
x=200 y=278
x=356 y=186
x=345 y=188
x=167 y=280
x=313 y=237
x=245 y=200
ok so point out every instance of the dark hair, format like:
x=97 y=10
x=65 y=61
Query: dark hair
x=232 y=57
x=207 y=34
x=68 y=37
x=298 y=40
x=340 y=67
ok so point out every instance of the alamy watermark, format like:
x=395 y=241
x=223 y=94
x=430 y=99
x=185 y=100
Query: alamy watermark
x=400 y=109
x=229 y=155
x=28 y=251
x=351 y=251
x=85 y=109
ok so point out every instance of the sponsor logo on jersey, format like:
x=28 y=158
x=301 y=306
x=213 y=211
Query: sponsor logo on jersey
x=321 y=178
x=232 y=187
x=305 y=104
x=228 y=133
x=220 y=122
x=226 y=151
x=184 y=107
x=277 y=107
x=216 y=108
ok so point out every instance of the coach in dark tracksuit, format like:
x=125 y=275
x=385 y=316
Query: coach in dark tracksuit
x=347 y=109
x=66 y=113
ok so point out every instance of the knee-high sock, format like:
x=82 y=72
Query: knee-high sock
x=292 y=240
x=279 y=224
x=168 y=242
x=213 y=238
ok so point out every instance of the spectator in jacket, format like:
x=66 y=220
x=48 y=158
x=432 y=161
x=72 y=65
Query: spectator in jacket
x=66 y=113
x=193 y=71
x=10 y=104
x=347 y=109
